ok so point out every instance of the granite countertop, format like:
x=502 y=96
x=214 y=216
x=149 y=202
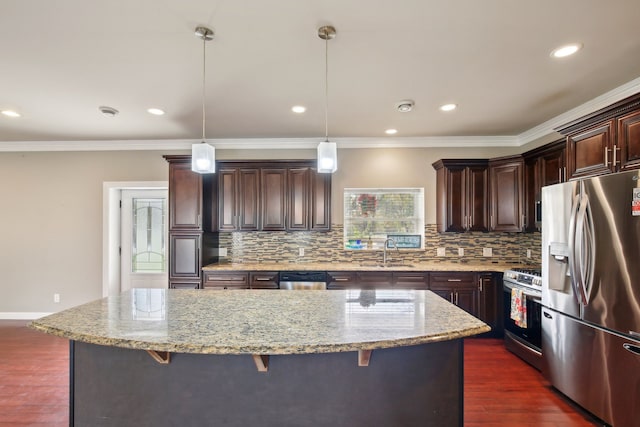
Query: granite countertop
x=263 y=322
x=360 y=266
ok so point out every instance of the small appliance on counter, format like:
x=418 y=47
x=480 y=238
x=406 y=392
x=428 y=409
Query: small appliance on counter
x=591 y=294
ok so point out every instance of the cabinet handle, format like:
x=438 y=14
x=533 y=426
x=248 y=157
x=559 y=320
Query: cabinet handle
x=263 y=279
x=615 y=148
x=454 y=280
x=480 y=285
x=606 y=157
x=564 y=174
x=451 y=298
x=341 y=279
x=559 y=174
x=524 y=221
x=456 y=303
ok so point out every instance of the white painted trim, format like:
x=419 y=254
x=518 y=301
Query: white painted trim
x=540 y=131
x=22 y=315
x=111 y=229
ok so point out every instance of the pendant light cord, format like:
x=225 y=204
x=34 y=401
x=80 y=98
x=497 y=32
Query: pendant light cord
x=326 y=90
x=204 y=69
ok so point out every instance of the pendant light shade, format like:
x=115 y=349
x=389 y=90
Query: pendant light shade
x=203 y=158
x=327 y=151
x=327 y=157
x=203 y=155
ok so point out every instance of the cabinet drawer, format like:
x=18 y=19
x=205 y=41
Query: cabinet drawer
x=233 y=279
x=374 y=279
x=223 y=286
x=263 y=280
x=341 y=279
x=410 y=280
x=453 y=279
x=184 y=285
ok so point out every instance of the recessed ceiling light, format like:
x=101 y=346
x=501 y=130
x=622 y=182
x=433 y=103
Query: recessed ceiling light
x=155 y=111
x=405 y=106
x=566 y=50
x=10 y=113
x=391 y=131
x=448 y=107
x=299 y=109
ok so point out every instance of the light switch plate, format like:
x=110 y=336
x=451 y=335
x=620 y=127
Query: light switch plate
x=460 y=251
x=300 y=251
x=222 y=251
x=440 y=252
x=528 y=253
x=487 y=252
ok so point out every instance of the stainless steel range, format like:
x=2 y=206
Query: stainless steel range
x=523 y=337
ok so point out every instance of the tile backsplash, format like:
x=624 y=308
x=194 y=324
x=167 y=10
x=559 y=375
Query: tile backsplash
x=282 y=246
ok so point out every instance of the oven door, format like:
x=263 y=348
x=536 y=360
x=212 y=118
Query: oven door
x=532 y=334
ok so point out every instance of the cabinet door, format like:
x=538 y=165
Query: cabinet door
x=489 y=307
x=320 y=199
x=466 y=299
x=227 y=199
x=248 y=195
x=552 y=167
x=507 y=190
x=477 y=188
x=184 y=256
x=455 y=198
x=531 y=174
x=299 y=186
x=589 y=152
x=628 y=147
x=185 y=197
x=273 y=199
x=341 y=280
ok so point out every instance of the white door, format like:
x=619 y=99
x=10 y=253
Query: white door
x=143 y=239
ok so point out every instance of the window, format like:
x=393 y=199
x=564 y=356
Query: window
x=371 y=215
x=148 y=248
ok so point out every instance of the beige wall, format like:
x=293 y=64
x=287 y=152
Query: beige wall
x=52 y=209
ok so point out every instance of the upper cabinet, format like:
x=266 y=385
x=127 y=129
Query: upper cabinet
x=272 y=196
x=605 y=141
x=461 y=195
x=185 y=196
x=542 y=166
x=506 y=194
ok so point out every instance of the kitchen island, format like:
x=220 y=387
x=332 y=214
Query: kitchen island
x=241 y=358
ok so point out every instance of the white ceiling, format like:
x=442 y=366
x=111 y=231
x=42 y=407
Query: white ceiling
x=60 y=60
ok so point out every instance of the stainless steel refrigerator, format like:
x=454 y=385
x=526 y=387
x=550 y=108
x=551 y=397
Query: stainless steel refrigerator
x=591 y=294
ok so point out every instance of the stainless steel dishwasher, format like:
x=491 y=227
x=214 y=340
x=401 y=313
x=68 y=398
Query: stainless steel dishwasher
x=302 y=280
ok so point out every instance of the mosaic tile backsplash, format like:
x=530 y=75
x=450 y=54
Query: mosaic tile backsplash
x=282 y=246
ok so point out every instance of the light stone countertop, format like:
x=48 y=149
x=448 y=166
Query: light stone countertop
x=361 y=266
x=263 y=321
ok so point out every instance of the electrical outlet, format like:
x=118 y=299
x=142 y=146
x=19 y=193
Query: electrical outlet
x=300 y=251
x=56 y=297
x=222 y=251
x=528 y=253
x=460 y=251
x=440 y=252
x=487 y=252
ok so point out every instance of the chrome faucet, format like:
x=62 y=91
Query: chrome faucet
x=384 y=253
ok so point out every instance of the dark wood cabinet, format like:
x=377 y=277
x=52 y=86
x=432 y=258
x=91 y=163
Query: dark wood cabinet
x=185 y=257
x=461 y=195
x=489 y=306
x=342 y=280
x=219 y=280
x=309 y=200
x=605 y=141
x=459 y=288
x=542 y=166
x=273 y=196
x=263 y=280
x=629 y=141
x=410 y=280
x=589 y=152
x=185 y=197
x=506 y=194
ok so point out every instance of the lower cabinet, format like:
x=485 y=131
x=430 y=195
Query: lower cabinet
x=184 y=285
x=459 y=288
x=263 y=280
x=184 y=259
x=341 y=280
x=225 y=280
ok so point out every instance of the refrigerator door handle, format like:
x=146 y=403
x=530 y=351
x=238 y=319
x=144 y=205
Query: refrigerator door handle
x=572 y=246
x=584 y=247
x=635 y=349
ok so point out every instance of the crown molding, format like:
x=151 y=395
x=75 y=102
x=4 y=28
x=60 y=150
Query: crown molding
x=541 y=131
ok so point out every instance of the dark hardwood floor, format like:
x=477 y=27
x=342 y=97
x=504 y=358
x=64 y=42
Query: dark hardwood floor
x=500 y=389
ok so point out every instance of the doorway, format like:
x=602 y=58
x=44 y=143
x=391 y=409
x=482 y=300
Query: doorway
x=135 y=234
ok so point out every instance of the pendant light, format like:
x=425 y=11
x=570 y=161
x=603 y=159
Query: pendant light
x=203 y=155
x=327 y=151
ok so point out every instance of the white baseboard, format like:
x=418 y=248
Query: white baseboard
x=22 y=315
